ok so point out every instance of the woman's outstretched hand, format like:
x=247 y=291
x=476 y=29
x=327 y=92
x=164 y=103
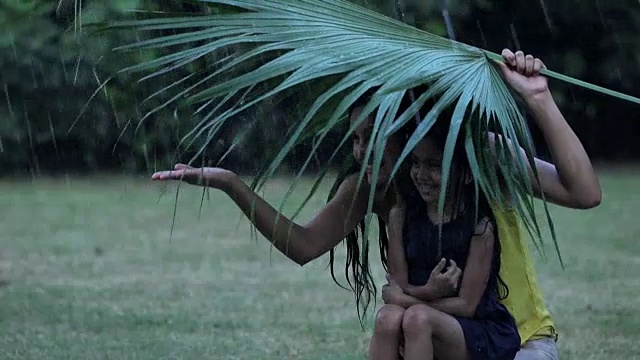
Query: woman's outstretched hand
x=207 y=176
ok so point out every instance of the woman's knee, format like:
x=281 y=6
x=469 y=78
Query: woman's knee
x=417 y=320
x=389 y=319
x=540 y=349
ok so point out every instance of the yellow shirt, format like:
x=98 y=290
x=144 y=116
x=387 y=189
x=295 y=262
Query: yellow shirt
x=525 y=301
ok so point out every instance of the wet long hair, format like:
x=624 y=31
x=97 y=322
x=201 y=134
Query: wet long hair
x=357 y=267
x=470 y=204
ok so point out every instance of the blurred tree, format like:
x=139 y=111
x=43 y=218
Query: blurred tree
x=66 y=106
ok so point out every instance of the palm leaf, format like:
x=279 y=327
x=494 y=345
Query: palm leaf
x=310 y=40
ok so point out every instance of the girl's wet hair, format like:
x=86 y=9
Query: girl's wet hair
x=463 y=194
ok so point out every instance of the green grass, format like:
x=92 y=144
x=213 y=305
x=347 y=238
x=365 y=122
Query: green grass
x=88 y=271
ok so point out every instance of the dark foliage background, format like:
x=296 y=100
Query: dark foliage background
x=65 y=106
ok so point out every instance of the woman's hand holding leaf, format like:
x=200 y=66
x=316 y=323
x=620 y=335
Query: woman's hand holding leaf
x=522 y=73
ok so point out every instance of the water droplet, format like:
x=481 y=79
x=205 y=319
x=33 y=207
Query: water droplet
x=546 y=15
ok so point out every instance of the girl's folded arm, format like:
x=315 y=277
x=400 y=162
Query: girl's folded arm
x=476 y=274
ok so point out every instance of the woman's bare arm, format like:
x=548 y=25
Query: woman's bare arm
x=303 y=243
x=572 y=181
x=300 y=243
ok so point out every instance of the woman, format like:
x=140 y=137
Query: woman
x=571 y=182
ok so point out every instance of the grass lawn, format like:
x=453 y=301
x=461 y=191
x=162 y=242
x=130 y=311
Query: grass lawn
x=88 y=271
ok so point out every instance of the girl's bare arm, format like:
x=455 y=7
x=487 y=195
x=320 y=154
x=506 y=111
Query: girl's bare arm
x=475 y=276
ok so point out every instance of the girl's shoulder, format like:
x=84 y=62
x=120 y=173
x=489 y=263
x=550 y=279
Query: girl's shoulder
x=398 y=209
x=484 y=224
x=396 y=219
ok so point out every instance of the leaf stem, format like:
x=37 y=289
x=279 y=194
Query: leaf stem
x=584 y=84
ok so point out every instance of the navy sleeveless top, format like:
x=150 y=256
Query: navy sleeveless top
x=491 y=333
x=420 y=237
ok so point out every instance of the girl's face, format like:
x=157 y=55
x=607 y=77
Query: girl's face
x=361 y=137
x=426 y=169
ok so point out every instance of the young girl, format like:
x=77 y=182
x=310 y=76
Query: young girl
x=470 y=323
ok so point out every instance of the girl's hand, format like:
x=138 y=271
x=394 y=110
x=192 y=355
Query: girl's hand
x=391 y=292
x=522 y=73
x=208 y=176
x=444 y=284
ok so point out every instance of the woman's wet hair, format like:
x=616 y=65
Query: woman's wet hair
x=409 y=97
x=357 y=267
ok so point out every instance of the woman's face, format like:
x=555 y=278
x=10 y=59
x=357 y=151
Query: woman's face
x=426 y=169
x=361 y=137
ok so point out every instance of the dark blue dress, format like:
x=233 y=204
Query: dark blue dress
x=491 y=334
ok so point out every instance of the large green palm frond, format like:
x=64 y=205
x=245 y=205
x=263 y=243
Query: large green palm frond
x=306 y=41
